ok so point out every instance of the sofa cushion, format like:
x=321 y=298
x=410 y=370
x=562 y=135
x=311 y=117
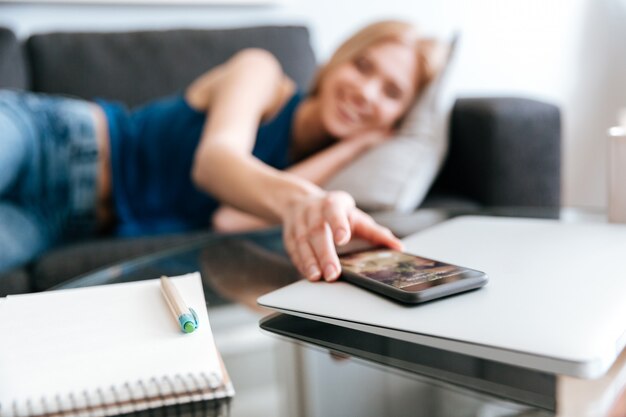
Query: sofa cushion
x=13 y=68
x=134 y=67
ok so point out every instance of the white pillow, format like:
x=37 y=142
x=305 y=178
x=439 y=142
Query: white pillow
x=397 y=174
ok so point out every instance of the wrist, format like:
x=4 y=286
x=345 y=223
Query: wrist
x=302 y=191
x=369 y=140
x=356 y=147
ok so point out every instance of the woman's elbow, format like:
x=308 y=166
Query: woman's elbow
x=196 y=175
x=201 y=174
x=212 y=162
x=223 y=222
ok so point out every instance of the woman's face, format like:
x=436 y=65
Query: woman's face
x=369 y=93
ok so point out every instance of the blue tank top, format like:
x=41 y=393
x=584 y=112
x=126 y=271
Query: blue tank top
x=152 y=152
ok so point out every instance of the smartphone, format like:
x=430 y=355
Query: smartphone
x=407 y=278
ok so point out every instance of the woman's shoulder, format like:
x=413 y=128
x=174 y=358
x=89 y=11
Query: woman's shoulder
x=257 y=56
x=247 y=63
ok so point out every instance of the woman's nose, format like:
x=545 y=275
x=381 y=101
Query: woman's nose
x=368 y=92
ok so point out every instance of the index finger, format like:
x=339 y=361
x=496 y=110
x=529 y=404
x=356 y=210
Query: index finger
x=335 y=212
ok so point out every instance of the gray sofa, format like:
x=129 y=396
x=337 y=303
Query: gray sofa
x=503 y=151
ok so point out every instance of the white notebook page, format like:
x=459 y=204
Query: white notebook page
x=85 y=341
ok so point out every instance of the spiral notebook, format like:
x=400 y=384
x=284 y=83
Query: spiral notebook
x=109 y=350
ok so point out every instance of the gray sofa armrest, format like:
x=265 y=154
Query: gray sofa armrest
x=16 y=281
x=13 y=66
x=504 y=152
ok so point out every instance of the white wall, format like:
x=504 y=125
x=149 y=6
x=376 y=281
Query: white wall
x=569 y=52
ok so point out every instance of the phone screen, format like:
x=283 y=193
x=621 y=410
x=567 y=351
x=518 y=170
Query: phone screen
x=402 y=270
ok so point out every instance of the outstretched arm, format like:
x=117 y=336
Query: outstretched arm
x=238 y=96
x=318 y=168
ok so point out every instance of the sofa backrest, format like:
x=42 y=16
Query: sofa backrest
x=134 y=67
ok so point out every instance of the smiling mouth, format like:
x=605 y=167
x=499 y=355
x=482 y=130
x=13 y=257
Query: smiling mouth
x=347 y=114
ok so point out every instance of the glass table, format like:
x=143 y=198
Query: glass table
x=299 y=367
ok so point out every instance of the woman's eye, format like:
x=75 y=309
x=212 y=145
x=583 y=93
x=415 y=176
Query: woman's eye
x=393 y=92
x=363 y=65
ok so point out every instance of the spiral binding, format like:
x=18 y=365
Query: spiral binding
x=197 y=395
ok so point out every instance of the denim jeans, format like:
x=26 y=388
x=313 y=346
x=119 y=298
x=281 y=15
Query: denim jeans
x=48 y=168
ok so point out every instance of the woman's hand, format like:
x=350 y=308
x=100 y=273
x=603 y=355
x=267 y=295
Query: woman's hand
x=370 y=138
x=312 y=227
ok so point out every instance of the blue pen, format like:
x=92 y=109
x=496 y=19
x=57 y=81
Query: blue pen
x=186 y=317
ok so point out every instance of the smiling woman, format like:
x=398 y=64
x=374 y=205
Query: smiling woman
x=241 y=135
x=356 y=101
x=370 y=92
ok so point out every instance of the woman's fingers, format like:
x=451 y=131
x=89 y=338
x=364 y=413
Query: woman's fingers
x=310 y=267
x=321 y=241
x=310 y=230
x=336 y=209
x=325 y=252
x=313 y=228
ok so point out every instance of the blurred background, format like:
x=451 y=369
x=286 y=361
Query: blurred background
x=571 y=53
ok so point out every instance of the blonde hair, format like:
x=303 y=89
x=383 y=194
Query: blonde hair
x=429 y=52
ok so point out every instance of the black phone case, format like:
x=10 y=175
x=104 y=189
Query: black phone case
x=416 y=297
